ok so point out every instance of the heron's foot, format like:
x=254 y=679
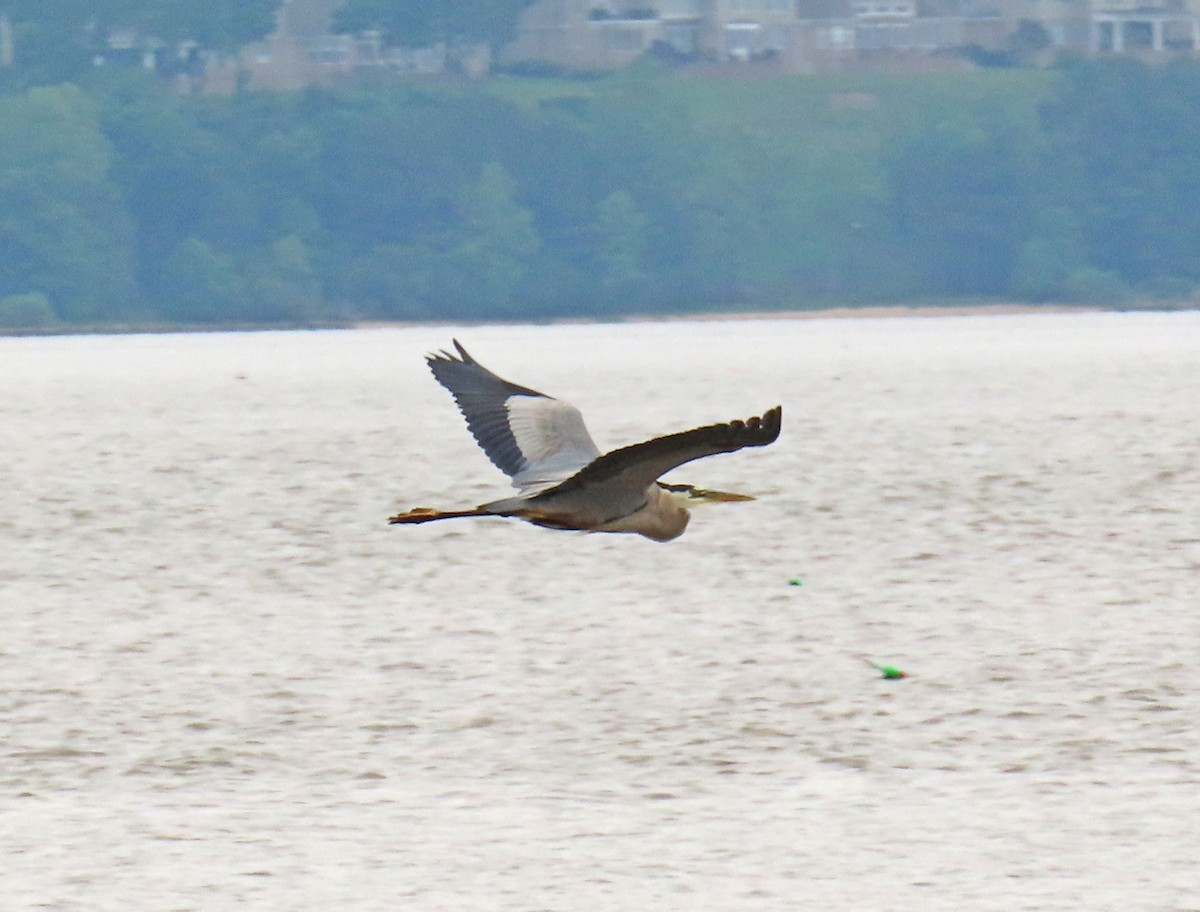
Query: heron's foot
x=416 y=515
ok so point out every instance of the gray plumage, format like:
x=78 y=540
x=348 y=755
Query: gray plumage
x=563 y=481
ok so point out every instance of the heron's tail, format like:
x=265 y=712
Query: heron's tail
x=425 y=514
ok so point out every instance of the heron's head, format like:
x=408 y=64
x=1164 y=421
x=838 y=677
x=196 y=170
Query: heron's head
x=689 y=496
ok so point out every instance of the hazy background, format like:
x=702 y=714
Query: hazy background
x=644 y=190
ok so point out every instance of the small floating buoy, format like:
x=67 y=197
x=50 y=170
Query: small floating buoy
x=795 y=581
x=888 y=672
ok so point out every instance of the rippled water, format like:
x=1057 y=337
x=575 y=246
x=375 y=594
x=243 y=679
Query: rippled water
x=225 y=681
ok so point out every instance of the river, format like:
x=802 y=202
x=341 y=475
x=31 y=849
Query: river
x=226 y=682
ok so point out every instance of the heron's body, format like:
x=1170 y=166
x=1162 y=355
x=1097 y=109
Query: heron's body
x=563 y=480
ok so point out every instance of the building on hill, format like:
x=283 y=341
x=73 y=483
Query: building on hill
x=833 y=35
x=304 y=50
x=792 y=36
x=1136 y=26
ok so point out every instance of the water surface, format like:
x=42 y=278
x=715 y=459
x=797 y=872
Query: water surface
x=225 y=681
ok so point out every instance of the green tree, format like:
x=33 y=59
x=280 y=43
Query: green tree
x=1094 y=287
x=394 y=281
x=962 y=189
x=26 y=311
x=1127 y=137
x=491 y=249
x=201 y=285
x=216 y=24
x=620 y=237
x=59 y=40
x=700 y=215
x=63 y=227
x=176 y=177
x=390 y=162
x=1029 y=41
x=418 y=22
x=283 y=285
x=1054 y=251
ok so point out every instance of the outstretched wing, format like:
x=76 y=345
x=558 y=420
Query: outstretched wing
x=620 y=478
x=531 y=437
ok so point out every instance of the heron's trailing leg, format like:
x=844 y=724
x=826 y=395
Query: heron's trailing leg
x=427 y=514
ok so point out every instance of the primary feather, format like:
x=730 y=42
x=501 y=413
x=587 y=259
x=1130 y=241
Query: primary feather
x=529 y=436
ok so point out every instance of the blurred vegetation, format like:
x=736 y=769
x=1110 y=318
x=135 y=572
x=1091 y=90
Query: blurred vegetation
x=420 y=22
x=62 y=40
x=122 y=203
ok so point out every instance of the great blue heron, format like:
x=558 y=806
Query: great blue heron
x=564 y=481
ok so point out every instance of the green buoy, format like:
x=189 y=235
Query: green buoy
x=887 y=671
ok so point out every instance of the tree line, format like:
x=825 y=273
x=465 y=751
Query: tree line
x=121 y=203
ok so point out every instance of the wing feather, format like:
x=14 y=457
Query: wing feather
x=531 y=437
x=626 y=473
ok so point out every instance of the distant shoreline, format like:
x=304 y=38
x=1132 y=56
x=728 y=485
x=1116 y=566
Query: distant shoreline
x=885 y=311
x=837 y=312
x=840 y=312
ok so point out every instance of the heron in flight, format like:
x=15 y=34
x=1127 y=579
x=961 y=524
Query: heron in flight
x=563 y=480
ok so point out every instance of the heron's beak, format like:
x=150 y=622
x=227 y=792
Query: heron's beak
x=718 y=496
